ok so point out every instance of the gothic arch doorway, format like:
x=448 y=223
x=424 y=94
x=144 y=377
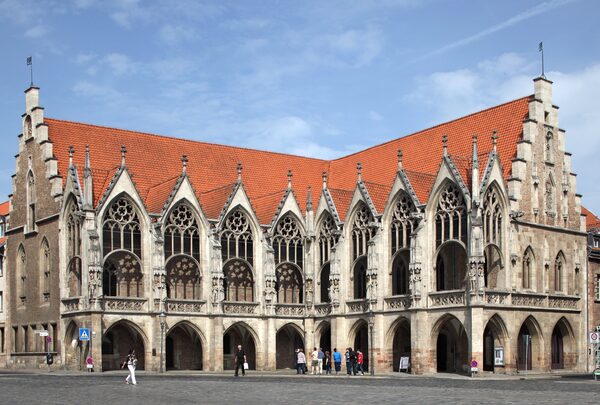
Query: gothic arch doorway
x=75 y=350
x=451 y=346
x=401 y=344
x=183 y=348
x=287 y=341
x=361 y=341
x=238 y=334
x=494 y=336
x=528 y=345
x=325 y=336
x=563 y=350
x=116 y=343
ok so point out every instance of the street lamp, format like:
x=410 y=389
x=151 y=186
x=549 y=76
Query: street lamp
x=162 y=318
x=371 y=359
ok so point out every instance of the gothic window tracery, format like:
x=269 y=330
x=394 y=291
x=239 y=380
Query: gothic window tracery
x=362 y=232
x=122 y=247
x=528 y=268
x=73 y=228
x=121 y=228
x=182 y=254
x=492 y=217
x=451 y=216
x=403 y=224
x=328 y=237
x=289 y=284
x=236 y=237
x=287 y=242
x=559 y=265
x=238 y=281
x=28 y=130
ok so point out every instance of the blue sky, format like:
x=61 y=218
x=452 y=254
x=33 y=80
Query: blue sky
x=316 y=78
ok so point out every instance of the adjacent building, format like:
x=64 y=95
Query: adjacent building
x=3 y=226
x=463 y=243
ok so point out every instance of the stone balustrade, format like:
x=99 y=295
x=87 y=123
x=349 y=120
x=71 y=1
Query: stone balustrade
x=322 y=309
x=124 y=304
x=397 y=302
x=290 y=310
x=240 y=308
x=359 y=306
x=184 y=306
x=451 y=298
x=71 y=304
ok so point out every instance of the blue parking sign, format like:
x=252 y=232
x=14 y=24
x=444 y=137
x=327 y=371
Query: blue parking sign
x=84 y=333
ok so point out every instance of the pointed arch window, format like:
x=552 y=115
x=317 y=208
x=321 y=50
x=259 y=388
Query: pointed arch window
x=403 y=223
x=182 y=254
x=73 y=226
x=328 y=238
x=287 y=242
x=182 y=233
x=121 y=228
x=492 y=217
x=238 y=281
x=236 y=237
x=451 y=216
x=289 y=284
x=528 y=267
x=21 y=274
x=362 y=232
x=44 y=270
x=31 y=202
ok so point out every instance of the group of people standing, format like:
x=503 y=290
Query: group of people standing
x=320 y=361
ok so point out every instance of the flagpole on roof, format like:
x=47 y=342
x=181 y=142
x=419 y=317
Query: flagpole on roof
x=30 y=64
x=541 y=49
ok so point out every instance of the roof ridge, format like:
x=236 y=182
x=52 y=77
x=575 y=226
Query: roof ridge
x=184 y=139
x=164 y=182
x=434 y=126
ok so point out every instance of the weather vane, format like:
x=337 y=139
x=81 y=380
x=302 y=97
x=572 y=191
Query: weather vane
x=541 y=49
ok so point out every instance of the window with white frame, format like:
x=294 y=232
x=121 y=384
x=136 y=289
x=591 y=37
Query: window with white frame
x=597 y=288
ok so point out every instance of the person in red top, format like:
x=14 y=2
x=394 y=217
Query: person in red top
x=360 y=358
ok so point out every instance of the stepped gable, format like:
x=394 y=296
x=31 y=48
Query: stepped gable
x=423 y=150
x=592 y=221
x=154 y=162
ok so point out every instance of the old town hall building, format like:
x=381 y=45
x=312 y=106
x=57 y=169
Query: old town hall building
x=461 y=242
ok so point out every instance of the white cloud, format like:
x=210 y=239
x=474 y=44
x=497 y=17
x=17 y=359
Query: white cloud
x=176 y=34
x=349 y=48
x=120 y=64
x=37 y=31
x=98 y=92
x=84 y=58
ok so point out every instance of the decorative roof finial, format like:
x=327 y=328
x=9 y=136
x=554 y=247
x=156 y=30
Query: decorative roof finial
x=289 y=176
x=88 y=187
x=445 y=144
x=400 y=156
x=184 y=162
x=88 y=165
x=494 y=139
x=239 y=171
x=475 y=153
x=123 y=153
x=359 y=171
x=309 y=199
x=324 y=176
x=71 y=152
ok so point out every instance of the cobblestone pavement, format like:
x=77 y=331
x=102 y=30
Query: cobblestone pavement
x=109 y=388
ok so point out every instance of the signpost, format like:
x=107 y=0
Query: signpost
x=404 y=364
x=84 y=336
x=474 y=368
x=595 y=341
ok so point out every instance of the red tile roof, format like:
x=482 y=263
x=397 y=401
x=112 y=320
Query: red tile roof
x=592 y=221
x=154 y=162
x=4 y=209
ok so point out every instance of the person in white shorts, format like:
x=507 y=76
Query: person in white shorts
x=314 y=364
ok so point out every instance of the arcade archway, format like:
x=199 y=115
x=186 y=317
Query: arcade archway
x=116 y=343
x=287 y=341
x=452 y=346
x=183 y=348
x=401 y=343
x=238 y=334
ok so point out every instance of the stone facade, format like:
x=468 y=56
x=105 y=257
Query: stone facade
x=490 y=268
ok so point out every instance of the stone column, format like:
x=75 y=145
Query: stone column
x=422 y=352
x=474 y=328
x=216 y=345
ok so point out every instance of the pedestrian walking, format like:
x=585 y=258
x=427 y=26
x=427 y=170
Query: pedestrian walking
x=352 y=361
x=337 y=360
x=131 y=363
x=240 y=361
x=327 y=361
x=314 y=363
x=320 y=360
x=360 y=358
x=301 y=362
x=347 y=356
